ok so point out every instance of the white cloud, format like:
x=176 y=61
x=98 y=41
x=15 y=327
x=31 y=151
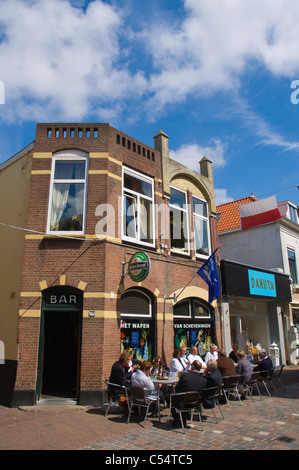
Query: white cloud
x=218 y=41
x=190 y=154
x=59 y=61
x=222 y=197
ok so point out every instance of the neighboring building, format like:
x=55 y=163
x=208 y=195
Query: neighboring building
x=272 y=246
x=107 y=232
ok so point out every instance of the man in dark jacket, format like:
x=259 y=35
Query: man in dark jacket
x=265 y=364
x=213 y=379
x=189 y=381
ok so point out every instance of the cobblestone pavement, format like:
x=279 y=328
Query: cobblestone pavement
x=270 y=424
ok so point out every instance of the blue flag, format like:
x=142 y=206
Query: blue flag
x=209 y=274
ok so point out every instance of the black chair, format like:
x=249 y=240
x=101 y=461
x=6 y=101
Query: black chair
x=190 y=404
x=114 y=399
x=252 y=385
x=267 y=380
x=230 y=386
x=277 y=374
x=210 y=400
x=139 y=398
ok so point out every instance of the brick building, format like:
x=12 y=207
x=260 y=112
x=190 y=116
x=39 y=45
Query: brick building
x=114 y=234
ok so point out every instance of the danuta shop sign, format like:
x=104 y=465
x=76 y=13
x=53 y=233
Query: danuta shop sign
x=261 y=283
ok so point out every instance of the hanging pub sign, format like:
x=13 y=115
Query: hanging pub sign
x=139 y=266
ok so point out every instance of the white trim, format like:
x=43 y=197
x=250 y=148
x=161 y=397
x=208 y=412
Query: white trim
x=68 y=155
x=206 y=219
x=187 y=239
x=138 y=196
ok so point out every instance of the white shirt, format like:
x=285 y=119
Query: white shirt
x=209 y=355
x=175 y=365
x=140 y=379
x=196 y=357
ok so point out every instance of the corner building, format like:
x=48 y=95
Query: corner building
x=98 y=202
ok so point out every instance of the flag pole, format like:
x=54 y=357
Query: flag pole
x=196 y=274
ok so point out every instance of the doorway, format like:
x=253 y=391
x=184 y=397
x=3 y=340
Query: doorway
x=61 y=353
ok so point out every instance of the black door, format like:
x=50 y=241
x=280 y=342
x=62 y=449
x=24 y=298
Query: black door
x=61 y=356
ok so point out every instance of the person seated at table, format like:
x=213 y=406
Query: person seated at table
x=176 y=365
x=120 y=375
x=213 y=379
x=244 y=369
x=157 y=367
x=212 y=354
x=194 y=381
x=184 y=359
x=225 y=364
x=233 y=353
x=265 y=363
x=141 y=378
x=194 y=356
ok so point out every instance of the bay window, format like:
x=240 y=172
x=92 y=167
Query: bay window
x=138 y=207
x=179 y=240
x=201 y=227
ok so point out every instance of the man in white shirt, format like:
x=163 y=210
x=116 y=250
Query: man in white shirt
x=184 y=359
x=212 y=354
x=194 y=356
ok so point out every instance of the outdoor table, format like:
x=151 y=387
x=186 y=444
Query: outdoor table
x=165 y=380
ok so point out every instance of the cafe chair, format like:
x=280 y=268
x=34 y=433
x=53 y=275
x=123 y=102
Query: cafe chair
x=277 y=374
x=190 y=404
x=139 y=398
x=210 y=400
x=230 y=387
x=112 y=398
x=252 y=385
x=267 y=380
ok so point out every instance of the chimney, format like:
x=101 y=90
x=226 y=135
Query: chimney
x=161 y=144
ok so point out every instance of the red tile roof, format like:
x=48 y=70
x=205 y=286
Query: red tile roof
x=229 y=214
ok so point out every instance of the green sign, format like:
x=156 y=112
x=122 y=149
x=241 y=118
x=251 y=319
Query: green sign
x=139 y=266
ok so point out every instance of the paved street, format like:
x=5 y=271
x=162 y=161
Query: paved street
x=270 y=424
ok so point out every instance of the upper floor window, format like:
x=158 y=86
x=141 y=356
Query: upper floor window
x=138 y=207
x=179 y=240
x=292 y=265
x=293 y=215
x=67 y=193
x=201 y=227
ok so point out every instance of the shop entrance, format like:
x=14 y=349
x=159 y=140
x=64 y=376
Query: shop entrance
x=61 y=354
x=60 y=343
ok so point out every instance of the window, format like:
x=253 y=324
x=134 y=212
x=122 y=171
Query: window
x=292 y=265
x=293 y=213
x=178 y=221
x=191 y=308
x=201 y=227
x=138 y=208
x=68 y=193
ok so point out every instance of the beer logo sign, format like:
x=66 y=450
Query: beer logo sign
x=139 y=267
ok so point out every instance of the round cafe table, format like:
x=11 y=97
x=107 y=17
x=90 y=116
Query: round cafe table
x=165 y=380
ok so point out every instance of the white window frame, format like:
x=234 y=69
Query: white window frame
x=70 y=155
x=292 y=209
x=138 y=196
x=186 y=230
x=205 y=219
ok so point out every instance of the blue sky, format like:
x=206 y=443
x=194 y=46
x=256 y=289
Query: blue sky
x=215 y=75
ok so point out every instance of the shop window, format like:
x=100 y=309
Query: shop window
x=138 y=208
x=201 y=227
x=67 y=193
x=193 y=325
x=137 y=332
x=178 y=221
x=292 y=265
